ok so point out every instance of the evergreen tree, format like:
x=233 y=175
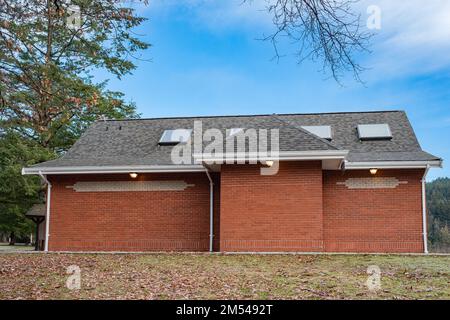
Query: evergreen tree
x=438 y=204
x=49 y=50
x=18 y=193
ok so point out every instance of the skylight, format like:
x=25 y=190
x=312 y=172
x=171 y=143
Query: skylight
x=323 y=132
x=175 y=136
x=374 y=131
x=234 y=131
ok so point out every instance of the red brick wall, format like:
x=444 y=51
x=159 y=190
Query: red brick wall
x=373 y=220
x=130 y=221
x=282 y=212
x=299 y=209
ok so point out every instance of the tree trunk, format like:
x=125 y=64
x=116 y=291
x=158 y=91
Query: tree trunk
x=12 y=239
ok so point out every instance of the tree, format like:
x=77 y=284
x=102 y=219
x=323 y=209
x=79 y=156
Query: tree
x=18 y=193
x=48 y=52
x=438 y=205
x=325 y=30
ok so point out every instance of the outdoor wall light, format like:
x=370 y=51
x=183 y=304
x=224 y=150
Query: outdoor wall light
x=133 y=175
x=373 y=171
x=269 y=163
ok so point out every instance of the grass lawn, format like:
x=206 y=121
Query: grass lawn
x=203 y=276
x=18 y=247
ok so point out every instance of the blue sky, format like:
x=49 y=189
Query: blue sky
x=207 y=60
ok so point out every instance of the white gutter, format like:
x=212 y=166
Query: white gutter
x=424 y=212
x=113 y=169
x=211 y=211
x=47 y=216
x=271 y=155
x=393 y=164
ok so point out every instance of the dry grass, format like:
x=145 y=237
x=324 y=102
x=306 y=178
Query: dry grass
x=5 y=247
x=203 y=276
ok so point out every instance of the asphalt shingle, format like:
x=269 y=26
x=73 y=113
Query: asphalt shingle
x=135 y=142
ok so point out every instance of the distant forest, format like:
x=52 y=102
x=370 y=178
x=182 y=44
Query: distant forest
x=438 y=203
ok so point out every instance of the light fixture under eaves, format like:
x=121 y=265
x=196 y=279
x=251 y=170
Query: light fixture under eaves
x=373 y=171
x=133 y=175
x=269 y=163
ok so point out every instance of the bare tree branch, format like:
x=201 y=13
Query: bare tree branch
x=325 y=30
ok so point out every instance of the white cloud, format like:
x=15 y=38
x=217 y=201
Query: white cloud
x=417 y=23
x=216 y=15
x=234 y=13
x=414 y=38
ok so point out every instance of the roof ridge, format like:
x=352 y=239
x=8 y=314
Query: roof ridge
x=252 y=115
x=307 y=132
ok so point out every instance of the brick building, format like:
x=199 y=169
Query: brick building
x=345 y=182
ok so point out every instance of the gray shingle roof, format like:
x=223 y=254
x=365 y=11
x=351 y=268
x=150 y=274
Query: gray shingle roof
x=135 y=142
x=390 y=156
x=402 y=147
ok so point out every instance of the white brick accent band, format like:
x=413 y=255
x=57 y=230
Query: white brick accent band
x=123 y=186
x=372 y=183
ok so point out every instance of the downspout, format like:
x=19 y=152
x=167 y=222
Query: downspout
x=211 y=211
x=342 y=165
x=47 y=216
x=424 y=212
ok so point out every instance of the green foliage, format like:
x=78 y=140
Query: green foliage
x=47 y=93
x=46 y=65
x=18 y=192
x=438 y=203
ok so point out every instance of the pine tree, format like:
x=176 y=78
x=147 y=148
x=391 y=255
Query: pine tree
x=438 y=204
x=48 y=51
